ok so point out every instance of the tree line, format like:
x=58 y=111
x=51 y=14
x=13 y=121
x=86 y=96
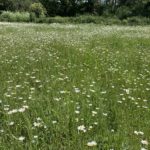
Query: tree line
x=120 y=8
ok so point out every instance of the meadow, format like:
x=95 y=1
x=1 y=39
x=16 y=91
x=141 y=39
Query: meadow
x=74 y=87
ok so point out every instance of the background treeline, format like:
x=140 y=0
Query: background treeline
x=44 y=10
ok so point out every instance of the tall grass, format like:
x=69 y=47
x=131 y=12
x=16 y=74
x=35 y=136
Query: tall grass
x=74 y=87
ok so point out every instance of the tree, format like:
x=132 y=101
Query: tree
x=5 y=5
x=15 y=5
x=38 y=10
x=52 y=6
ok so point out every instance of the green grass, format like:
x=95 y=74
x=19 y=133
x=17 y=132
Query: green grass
x=60 y=74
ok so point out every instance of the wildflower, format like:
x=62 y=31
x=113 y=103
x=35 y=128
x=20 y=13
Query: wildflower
x=88 y=96
x=35 y=136
x=103 y=92
x=38 y=119
x=12 y=111
x=90 y=105
x=78 y=107
x=105 y=114
x=37 y=81
x=37 y=124
x=141 y=133
x=63 y=92
x=91 y=144
x=143 y=148
x=127 y=91
x=144 y=142
x=94 y=113
x=96 y=123
x=136 y=132
x=17 y=86
x=21 y=110
x=21 y=138
x=57 y=99
x=77 y=90
x=81 y=128
x=25 y=106
x=54 y=122
x=6 y=108
x=90 y=127
x=2 y=131
x=92 y=90
x=11 y=123
x=77 y=112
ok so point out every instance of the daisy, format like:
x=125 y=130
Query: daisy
x=21 y=138
x=91 y=144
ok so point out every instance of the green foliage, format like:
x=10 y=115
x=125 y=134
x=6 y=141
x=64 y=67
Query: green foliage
x=95 y=20
x=38 y=10
x=5 y=5
x=68 y=8
x=80 y=19
x=138 y=21
x=86 y=19
x=79 y=9
x=15 y=5
x=15 y=16
x=26 y=17
x=146 y=11
x=123 y=12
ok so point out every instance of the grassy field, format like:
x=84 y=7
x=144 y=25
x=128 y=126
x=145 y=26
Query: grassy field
x=74 y=87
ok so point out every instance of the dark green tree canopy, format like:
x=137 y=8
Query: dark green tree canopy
x=121 y=8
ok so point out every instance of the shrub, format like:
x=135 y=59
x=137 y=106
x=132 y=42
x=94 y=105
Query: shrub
x=37 y=10
x=15 y=16
x=112 y=20
x=33 y=17
x=138 y=21
x=58 y=19
x=84 y=19
x=125 y=22
x=123 y=12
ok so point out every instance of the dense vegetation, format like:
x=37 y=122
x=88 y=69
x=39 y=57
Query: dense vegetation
x=74 y=87
x=121 y=9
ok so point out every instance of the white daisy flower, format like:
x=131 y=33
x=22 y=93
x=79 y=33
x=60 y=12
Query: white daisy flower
x=144 y=142
x=91 y=144
x=21 y=138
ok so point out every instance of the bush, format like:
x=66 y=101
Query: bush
x=15 y=16
x=37 y=10
x=112 y=20
x=33 y=17
x=80 y=19
x=84 y=19
x=124 y=22
x=138 y=21
x=102 y=20
x=123 y=12
x=59 y=19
